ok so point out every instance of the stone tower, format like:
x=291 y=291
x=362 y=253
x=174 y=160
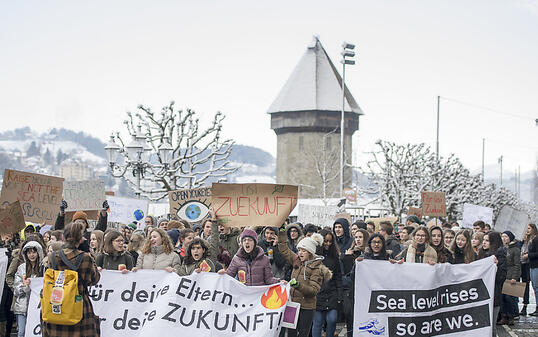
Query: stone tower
x=306 y=119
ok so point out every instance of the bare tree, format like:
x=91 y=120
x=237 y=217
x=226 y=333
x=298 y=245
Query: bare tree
x=199 y=155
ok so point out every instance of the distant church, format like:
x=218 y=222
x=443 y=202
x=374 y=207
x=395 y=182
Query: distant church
x=306 y=118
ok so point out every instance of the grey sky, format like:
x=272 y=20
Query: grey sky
x=81 y=65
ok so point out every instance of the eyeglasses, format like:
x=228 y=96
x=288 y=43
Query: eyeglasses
x=376 y=242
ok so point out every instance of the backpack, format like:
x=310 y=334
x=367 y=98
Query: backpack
x=61 y=302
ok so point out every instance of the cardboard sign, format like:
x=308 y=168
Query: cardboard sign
x=415 y=211
x=512 y=220
x=473 y=213
x=238 y=205
x=40 y=195
x=346 y=216
x=433 y=204
x=85 y=195
x=317 y=215
x=11 y=218
x=517 y=289
x=123 y=210
x=190 y=205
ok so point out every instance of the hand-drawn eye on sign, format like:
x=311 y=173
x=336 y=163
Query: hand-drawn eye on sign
x=193 y=211
x=190 y=205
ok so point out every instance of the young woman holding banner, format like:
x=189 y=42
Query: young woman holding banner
x=462 y=248
x=420 y=250
x=158 y=253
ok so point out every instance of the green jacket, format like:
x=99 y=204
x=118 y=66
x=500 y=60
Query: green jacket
x=513 y=262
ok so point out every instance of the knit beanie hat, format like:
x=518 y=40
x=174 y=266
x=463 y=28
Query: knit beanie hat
x=310 y=244
x=132 y=226
x=80 y=215
x=510 y=235
x=249 y=233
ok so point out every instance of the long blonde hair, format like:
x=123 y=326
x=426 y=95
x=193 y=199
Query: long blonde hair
x=166 y=242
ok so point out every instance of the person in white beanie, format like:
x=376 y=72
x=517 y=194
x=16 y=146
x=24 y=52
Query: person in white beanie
x=308 y=275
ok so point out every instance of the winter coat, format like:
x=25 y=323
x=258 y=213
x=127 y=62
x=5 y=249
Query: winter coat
x=229 y=242
x=112 y=261
x=345 y=241
x=349 y=261
x=533 y=253
x=331 y=291
x=500 y=276
x=21 y=292
x=88 y=276
x=157 y=259
x=513 y=261
x=393 y=244
x=102 y=225
x=279 y=266
x=210 y=256
x=310 y=275
x=257 y=271
x=443 y=254
x=429 y=254
x=187 y=269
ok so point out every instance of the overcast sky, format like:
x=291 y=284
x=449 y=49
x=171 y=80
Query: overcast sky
x=82 y=65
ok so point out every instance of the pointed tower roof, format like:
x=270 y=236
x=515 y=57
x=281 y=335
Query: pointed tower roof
x=314 y=84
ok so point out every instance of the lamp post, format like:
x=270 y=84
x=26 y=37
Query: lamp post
x=347 y=55
x=137 y=157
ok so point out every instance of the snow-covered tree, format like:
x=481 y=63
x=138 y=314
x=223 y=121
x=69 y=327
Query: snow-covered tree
x=200 y=156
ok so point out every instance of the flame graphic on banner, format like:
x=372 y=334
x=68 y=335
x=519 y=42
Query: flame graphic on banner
x=274 y=298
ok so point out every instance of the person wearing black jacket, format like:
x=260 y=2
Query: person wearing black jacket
x=330 y=294
x=344 y=241
x=83 y=217
x=268 y=241
x=492 y=245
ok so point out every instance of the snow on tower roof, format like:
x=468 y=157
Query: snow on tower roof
x=314 y=84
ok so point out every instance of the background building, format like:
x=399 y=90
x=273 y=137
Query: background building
x=306 y=117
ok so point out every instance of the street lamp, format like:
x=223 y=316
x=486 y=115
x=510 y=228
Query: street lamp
x=137 y=154
x=347 y=55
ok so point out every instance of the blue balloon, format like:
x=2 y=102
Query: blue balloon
x=138 y=214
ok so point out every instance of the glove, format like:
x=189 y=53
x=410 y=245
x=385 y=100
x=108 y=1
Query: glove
x=63 y=206
x=105 y=205
x=293 y=283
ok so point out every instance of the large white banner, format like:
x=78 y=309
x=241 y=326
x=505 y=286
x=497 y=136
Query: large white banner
x=415 y=299
x=473 y=213
x=123 y=210
x=156 y=303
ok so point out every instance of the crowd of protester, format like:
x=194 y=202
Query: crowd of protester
x=318 y=263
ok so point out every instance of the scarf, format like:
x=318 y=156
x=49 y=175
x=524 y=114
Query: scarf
x=429 y=254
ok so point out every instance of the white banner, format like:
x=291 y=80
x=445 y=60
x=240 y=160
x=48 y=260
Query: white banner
x=157 y=303
x=317 y=215
x=3 y=268
x=510 y=219
x=123 y=210
x=473 y=213
x=421 y=300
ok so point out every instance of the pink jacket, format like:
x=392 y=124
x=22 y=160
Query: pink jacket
x=257 y=271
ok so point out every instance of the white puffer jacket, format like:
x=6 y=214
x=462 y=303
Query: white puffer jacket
x=21 y=293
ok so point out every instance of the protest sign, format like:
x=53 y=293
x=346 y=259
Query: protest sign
x=156 y=303
x=39 y=195
x=415 y=211
x=350 y=194
x=317 y=215
x=344 y=215
x=3 y=267
x=517 y=289
x=122 y=210
x=473 y=213
x=512 y=220
x=11 y=218
x=422 y=300
x=433 y=204
x=85 y=195
x=190 y=205
x=238 y=205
